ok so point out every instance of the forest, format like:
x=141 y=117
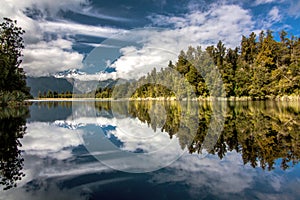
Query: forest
x=260 y=68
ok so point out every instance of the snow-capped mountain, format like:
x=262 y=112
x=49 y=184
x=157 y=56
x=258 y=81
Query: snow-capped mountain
x=68 y=124
x=70 y=73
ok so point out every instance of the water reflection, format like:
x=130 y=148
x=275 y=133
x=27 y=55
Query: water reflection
x=263 y=135
x=12 y=128
x=262 y=132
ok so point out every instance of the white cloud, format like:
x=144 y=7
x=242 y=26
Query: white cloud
x=227 y=178
x=12 y=10
x=159 y=149
x=294 y=9
x=288 y=8
x=89 y=11
x=15 y=9
x=226 y=22
x=47 y=192
x=138 y=135
x=137 y=62
x=45 y=140
x=132 y=132
x=44 y=58
x=274 y=15
x=69 y=28
x=48 y=162
x=259 y=2
x=50 y=6
x=219 y=177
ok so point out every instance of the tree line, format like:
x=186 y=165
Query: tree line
x=99 y=93
x=260 y=68
x=55 y=94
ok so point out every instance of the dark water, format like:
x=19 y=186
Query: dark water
x=150 y=150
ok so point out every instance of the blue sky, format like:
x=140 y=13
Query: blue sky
x=60 y=34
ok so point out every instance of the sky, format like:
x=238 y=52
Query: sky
x=126 y=39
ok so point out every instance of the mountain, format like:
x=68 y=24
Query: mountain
x=72 y=80
x=70 y=73
x=87 y=86
x=44 y=84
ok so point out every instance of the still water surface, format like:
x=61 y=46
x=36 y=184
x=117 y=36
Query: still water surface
x=150 y=150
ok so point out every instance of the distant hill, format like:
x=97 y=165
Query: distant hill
x=44 y=84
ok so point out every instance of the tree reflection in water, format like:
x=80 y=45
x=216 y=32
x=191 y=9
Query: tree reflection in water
x=12 y=128
x=266 y=134
x=262 y=132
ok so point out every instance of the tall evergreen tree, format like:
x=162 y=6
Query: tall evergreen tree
x=12 y=76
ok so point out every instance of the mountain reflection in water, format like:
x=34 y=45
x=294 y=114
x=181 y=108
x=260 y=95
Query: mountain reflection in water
x=52 y=155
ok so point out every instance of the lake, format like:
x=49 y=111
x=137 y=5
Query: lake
x=150 y=150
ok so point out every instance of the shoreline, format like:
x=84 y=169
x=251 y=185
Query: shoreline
x=228 y=99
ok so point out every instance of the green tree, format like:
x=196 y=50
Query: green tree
x=183 y=64
x=12 y=76
x=12 y=129
x=220 y=53
x=50 y=94
x=249 y=48
x=268 y=53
